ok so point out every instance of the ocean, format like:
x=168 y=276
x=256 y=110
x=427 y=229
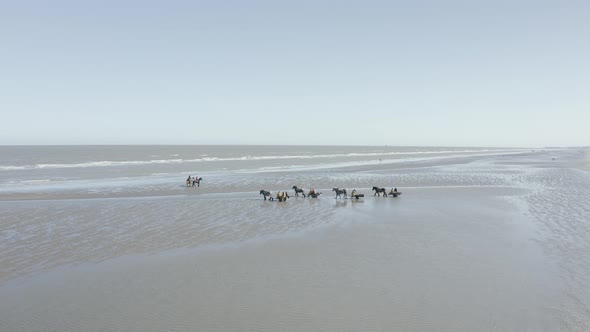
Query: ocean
x=154 y=170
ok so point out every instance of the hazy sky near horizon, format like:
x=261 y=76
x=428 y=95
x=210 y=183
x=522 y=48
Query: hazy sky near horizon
x=456 y=73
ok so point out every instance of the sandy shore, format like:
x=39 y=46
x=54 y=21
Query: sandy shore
x=478 y=246
x=381 y=265
x=393 y=265
x=586 y=163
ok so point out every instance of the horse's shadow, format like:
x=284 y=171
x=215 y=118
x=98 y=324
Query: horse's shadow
x=340 y=203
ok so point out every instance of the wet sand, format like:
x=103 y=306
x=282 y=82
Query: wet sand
x=586 y=163
x=487 y=245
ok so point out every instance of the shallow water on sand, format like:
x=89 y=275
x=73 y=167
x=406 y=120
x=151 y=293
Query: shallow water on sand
x=106 y=171
x=475 y=243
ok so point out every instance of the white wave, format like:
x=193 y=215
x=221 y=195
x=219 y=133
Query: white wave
x=14 y=168
x=35 y=181
x=108 y=163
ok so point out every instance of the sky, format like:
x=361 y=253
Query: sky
x=435 y=73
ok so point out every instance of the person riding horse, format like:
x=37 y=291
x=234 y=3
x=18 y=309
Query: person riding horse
x=355 y=195
x=282 y=196
x=393 y=192
x=191 y=181
x=313 y=194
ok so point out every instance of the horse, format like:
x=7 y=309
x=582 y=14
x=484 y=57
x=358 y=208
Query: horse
x=353 y=194
x=282 y=196
x=340 y=192
x=266 y=193
x=197 y=181
x=394 y=192
x=191 y=181
x=378 y=191
x=297 y=191
x=313 y=194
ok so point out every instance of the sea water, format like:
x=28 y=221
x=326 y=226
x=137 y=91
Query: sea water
x=134 y=169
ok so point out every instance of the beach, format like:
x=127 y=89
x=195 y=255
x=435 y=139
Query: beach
x=482 y=239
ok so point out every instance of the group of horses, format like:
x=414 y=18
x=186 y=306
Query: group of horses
x=393 y=192
x=311 y=193
x=281 y=196
x=378 y=191
x=193 y=181
x=340 y=193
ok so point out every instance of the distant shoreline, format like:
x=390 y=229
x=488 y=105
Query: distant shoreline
x=310 y=145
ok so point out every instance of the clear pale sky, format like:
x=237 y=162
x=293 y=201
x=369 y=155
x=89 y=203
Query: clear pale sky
x=456 y=73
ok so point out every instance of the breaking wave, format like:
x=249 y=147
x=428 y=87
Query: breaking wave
x=107 y=163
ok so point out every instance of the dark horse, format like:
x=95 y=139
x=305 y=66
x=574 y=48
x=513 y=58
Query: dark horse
x=191 y=182
x=378 y=191
x=266 y=193
x=297 y=191
x=340 y=192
